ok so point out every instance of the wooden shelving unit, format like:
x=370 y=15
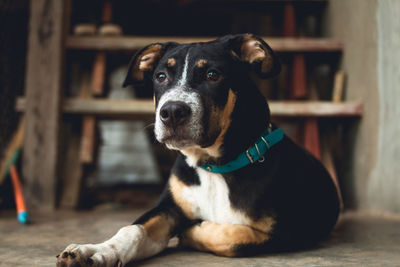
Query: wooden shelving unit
x=119 y=43
x=44 y=107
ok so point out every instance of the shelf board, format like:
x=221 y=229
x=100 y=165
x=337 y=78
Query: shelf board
x=315 y=109
x=134 y=109
x=255 y=1
x=130 y=43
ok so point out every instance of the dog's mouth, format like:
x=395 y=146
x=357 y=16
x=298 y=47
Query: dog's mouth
x=177 y=139
x=190 y=134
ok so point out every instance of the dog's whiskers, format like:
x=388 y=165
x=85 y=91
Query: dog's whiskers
x=148 y=126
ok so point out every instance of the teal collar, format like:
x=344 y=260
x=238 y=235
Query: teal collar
x=253 y=154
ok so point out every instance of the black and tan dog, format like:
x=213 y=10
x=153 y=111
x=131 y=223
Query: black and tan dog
x=239 y=185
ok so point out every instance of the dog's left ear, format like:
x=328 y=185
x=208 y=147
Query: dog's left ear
x=144 y=62
x=254 y=51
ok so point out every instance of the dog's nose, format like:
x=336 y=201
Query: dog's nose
x=173 y=114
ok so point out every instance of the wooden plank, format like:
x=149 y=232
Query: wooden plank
x=15 y=143
x=230 y=2
x=117 y=108
x=328 y=161
x=269 y=1
x=315 y=109
x=108 y=107
x=88 y=141
x=89 y=129
x=287 y=44
x=311 y=137
x=98 y=74
x=43 y=87
x=88 y=135
x=338 y=86
x=289 y=20
x=298 y=88
x=72 y=170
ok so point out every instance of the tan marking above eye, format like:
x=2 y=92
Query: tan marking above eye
x=201 y=63
x=171 y=62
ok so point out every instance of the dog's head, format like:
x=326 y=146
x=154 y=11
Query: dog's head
x=196 y=86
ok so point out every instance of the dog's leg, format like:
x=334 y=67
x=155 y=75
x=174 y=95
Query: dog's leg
x=222 y=239
x=148 y=236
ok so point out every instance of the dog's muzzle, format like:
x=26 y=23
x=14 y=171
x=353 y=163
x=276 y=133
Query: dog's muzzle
x=178 y=119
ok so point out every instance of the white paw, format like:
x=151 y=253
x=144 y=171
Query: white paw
x=74 y=255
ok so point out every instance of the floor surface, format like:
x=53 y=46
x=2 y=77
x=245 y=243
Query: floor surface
x=358 y=240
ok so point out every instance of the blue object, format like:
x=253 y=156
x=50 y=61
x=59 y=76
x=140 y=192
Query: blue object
x=251 y=155
x=23 y=217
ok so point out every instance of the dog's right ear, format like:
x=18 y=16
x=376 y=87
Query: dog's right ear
x=145 y=61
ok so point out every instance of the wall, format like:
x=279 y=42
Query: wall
x=370 y=33
x=384 y=185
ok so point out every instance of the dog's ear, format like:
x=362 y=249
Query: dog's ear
x=144 y=62
x=254 y=51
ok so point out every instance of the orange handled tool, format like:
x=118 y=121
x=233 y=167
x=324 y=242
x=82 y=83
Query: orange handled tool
x=8 y=166
x=19 y=198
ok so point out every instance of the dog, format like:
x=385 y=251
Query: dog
x=239 y=185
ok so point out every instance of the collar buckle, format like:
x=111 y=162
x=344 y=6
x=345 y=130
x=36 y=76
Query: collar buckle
x=261 y=157
x=249 y=156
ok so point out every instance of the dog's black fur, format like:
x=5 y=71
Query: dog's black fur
x=208 y=108
x=291 y=185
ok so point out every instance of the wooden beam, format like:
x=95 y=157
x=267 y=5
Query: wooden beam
x=129 y=43
x=106 y=108
x=15 y=143
x=311 y=137
x=315 y=109
x=230 y=2
x=72 y=171
x=43 y=87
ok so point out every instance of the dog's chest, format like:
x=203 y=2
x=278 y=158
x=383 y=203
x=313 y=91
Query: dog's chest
x=210 y=200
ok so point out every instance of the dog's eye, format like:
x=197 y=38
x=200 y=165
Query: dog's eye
x=213 y=75
x=161 y=77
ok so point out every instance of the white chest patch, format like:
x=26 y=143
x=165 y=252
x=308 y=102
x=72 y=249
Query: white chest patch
x=210 y=200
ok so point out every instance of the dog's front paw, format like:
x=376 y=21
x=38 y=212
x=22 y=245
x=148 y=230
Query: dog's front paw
x=99 y=255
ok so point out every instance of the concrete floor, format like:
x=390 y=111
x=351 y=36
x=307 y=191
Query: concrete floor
x=358 y=240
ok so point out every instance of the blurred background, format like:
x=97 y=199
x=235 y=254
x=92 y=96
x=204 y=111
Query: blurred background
x=87 y=142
